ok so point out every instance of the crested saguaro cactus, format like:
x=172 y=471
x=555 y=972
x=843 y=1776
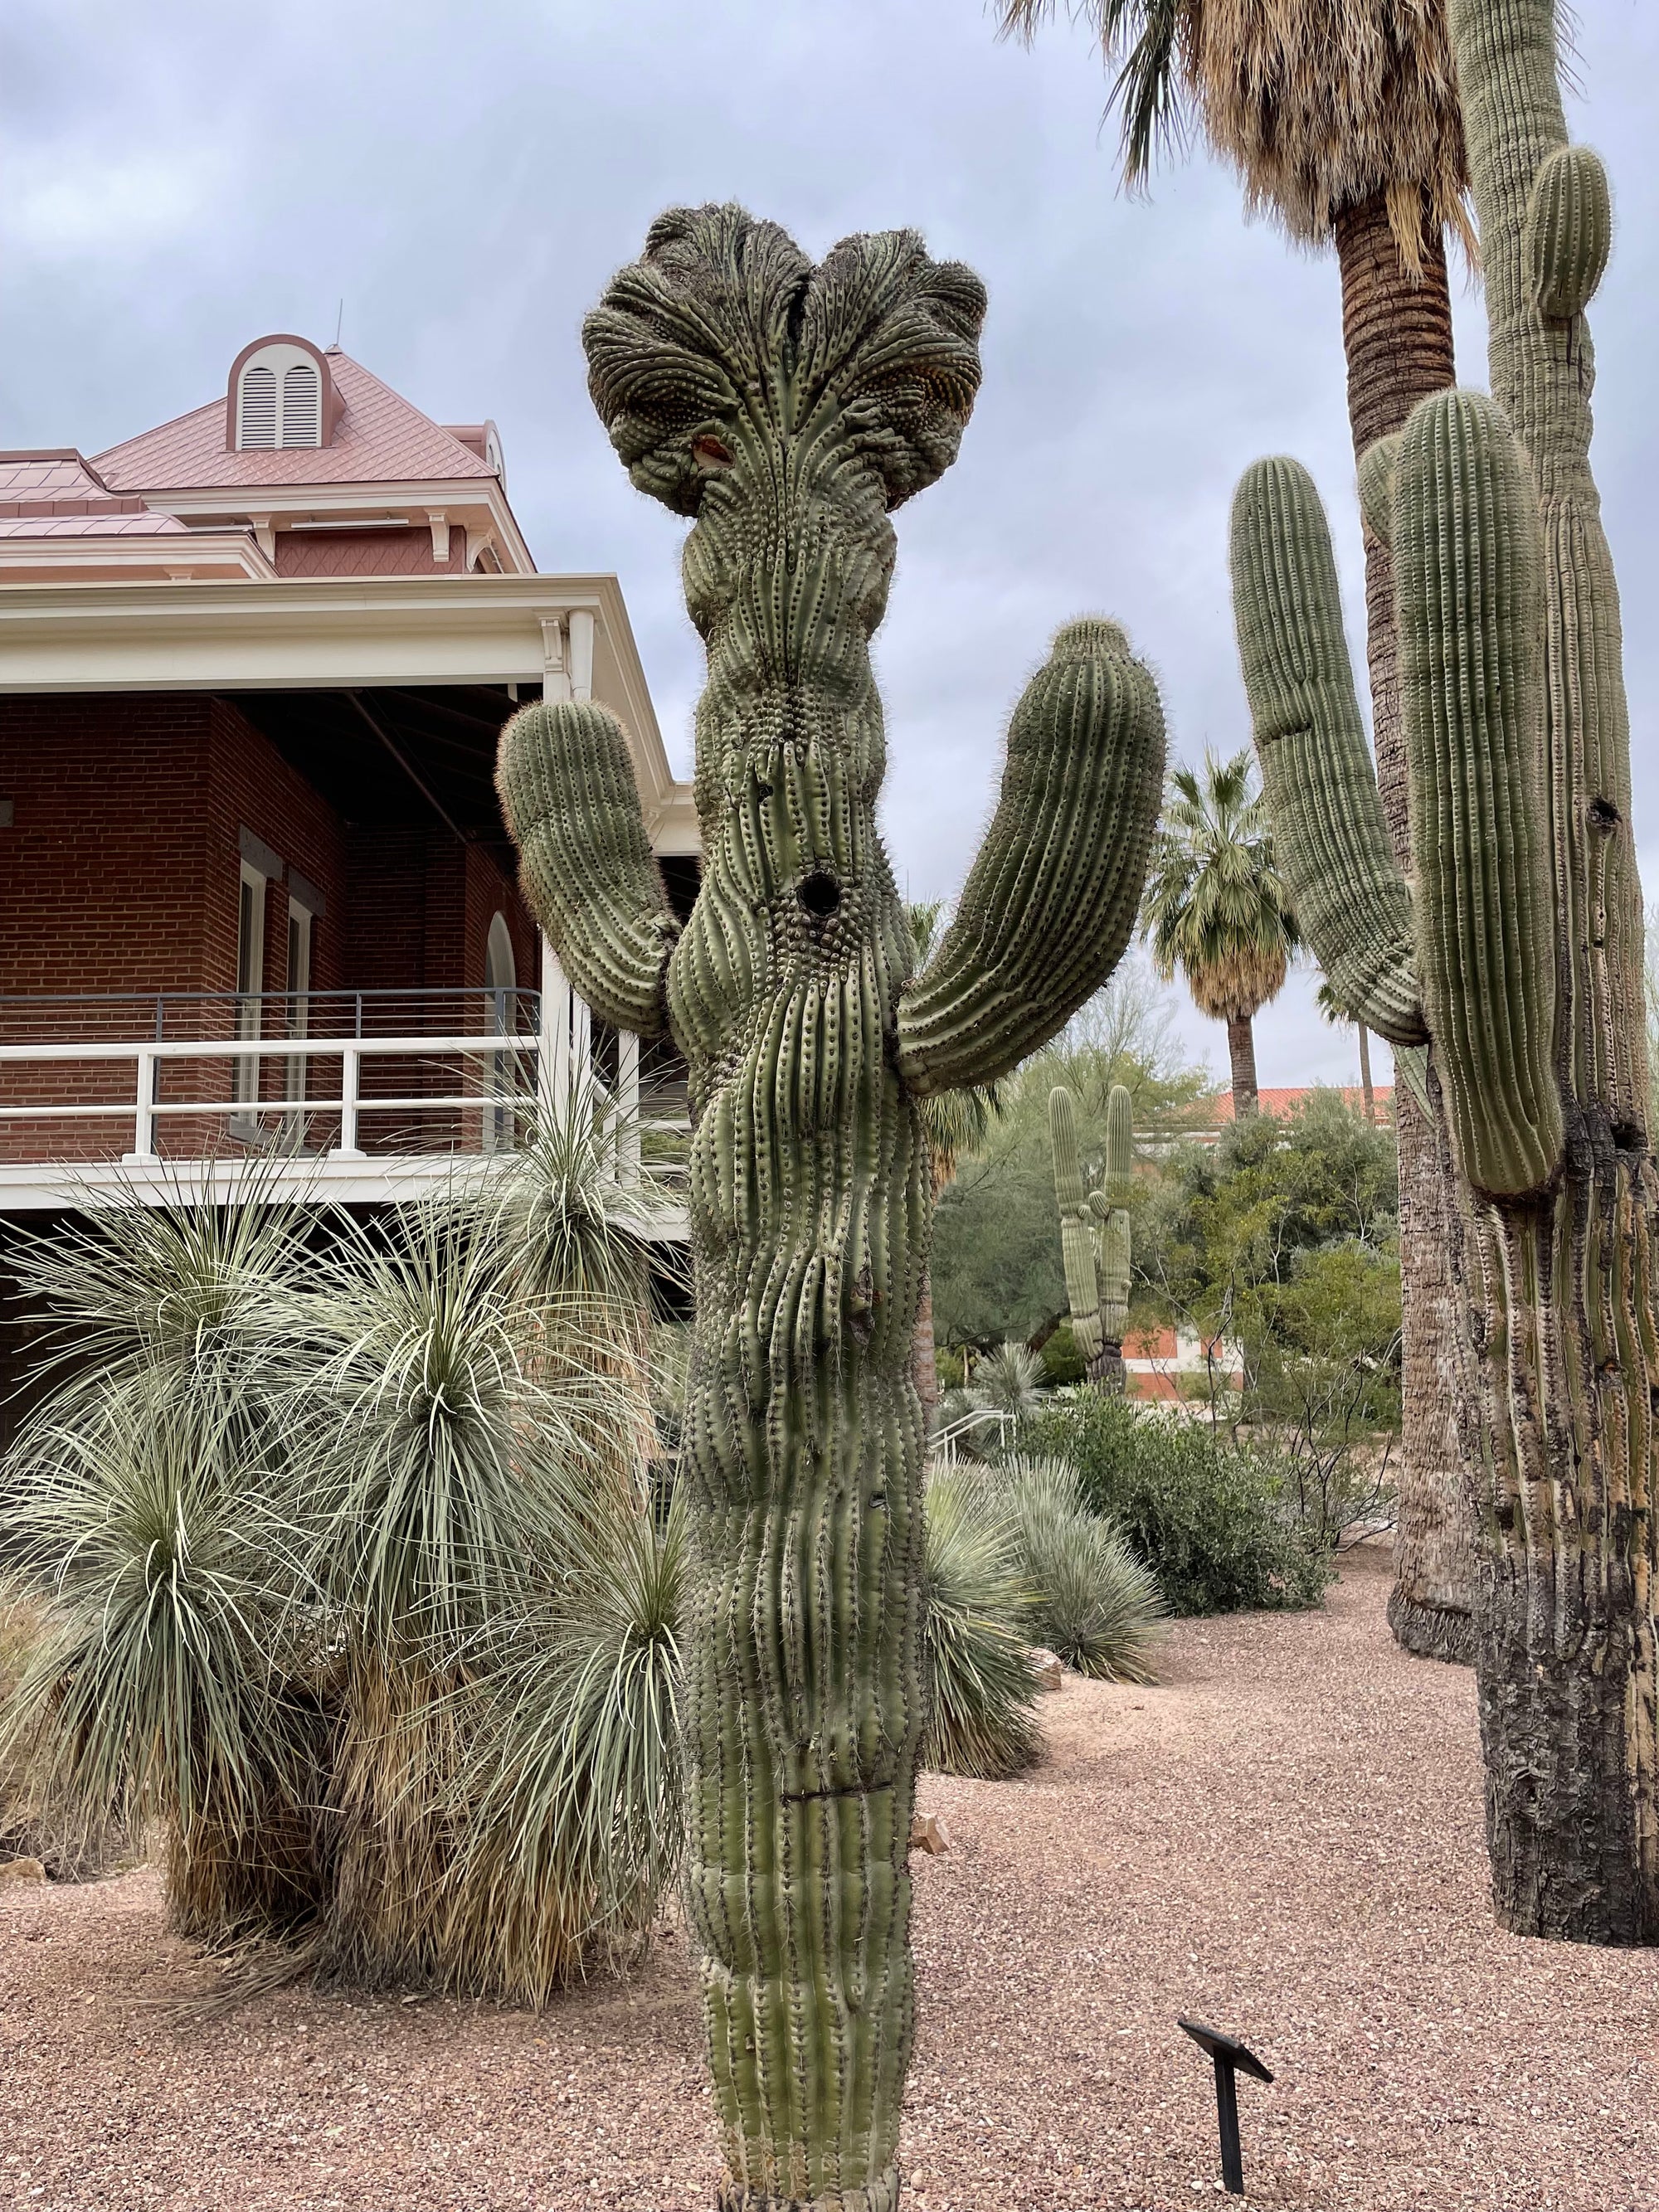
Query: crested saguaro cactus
x=786 y=409
x=1517 y=957
x=1094 y=1231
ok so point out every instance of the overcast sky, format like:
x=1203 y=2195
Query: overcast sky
x=185 y=175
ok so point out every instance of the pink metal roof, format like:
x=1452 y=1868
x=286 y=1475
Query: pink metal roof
x=53 y=475
x=145 y=524
x=380 y=439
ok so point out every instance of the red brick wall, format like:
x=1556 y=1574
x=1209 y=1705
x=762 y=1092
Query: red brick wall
x=121 y=872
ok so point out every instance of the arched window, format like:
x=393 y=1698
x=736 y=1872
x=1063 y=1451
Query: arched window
x=278 y=396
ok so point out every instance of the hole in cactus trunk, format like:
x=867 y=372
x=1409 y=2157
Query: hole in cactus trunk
x=820 y=894
x=1604 y=815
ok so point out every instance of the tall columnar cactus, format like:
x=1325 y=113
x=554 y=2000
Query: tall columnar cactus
x=1111 y=1205
x=1519 y=958
x=788 y=409
x=1094 y=1231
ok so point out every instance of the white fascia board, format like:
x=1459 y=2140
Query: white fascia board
x=228 y=550
x=329 y=633
x=457 y=495
x=45 y=1186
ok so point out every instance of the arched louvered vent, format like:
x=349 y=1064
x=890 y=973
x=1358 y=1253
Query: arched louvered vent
x=257 y=421
x=281 y=395
x=302 y=405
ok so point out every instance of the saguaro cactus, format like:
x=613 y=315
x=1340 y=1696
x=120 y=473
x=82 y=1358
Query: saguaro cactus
x=1521 y=963
x=787 y=408
x=1094 y=1231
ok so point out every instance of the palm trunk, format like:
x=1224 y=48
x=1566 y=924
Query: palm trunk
x=1365 y=1089
x=1241 y=1050
x=1397 y=334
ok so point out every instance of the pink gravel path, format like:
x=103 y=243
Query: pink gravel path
x=1283 y=1838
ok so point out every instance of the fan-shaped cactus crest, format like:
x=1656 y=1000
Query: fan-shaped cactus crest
x=787 y=408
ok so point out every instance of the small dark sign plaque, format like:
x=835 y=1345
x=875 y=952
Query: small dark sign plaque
x=1231 y=2058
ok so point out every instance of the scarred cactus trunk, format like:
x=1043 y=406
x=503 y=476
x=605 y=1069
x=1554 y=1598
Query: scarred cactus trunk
x=1525 y=971
x=787 y=408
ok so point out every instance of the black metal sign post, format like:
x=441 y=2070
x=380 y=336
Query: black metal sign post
x=1228 y=2057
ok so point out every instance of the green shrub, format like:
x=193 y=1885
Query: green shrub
x=1207 y=1517
x=981 y=1722
x=1062 y=1362
x=1090 y=1600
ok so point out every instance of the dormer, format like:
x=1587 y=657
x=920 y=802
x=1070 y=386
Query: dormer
x=279 y=395
x=483 y=439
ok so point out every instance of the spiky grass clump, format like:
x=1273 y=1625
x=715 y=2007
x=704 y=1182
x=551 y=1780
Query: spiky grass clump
x=982 y=1723
x=1092 y=1600
x=574 y=1786
x=157 y=1691
x=353 y=1575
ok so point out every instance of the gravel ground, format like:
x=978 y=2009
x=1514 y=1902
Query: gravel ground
x=1283 y=1839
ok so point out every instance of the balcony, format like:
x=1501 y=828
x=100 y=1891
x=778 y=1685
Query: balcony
x=358 y=1097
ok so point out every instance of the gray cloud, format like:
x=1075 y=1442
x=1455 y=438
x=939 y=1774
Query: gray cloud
x=184 y=176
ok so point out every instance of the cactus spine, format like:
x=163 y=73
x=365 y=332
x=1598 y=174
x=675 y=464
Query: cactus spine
x=1527 y=961
x=1094 y=1231
x=788 y=409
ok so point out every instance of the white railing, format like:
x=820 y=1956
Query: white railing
x=515 y=1075
x=943 y=1443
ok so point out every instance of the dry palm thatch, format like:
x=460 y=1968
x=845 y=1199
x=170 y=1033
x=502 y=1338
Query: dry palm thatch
x=1318 y=104
x=1215 y=905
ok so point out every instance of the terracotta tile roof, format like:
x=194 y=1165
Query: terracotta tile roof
x=1287 y=1101
x=380 y=439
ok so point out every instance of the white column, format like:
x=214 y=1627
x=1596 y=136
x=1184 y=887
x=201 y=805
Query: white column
x=553 y=1037
x=628 y=1107
x=581 y=653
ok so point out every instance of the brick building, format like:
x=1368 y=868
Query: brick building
x=257 y=901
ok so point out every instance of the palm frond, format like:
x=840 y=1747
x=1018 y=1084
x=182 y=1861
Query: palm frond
x=1215 y=907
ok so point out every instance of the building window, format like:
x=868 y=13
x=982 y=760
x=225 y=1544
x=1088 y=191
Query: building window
x=279 y=399
x=250 y=977
x=300 y=926
x=501 y=977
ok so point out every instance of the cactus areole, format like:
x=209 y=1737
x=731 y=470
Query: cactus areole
x=786 y=409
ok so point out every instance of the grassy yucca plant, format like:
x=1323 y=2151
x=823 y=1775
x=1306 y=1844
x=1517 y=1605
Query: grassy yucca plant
x=157 y=1690
x=317 y=1544
x=1092 y=1600
x=574 y=1784
x=982 y=1723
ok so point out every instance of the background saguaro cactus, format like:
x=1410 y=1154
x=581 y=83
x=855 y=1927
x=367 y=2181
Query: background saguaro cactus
x=1525 y=961
x=787 y=408
x=1094 y=1231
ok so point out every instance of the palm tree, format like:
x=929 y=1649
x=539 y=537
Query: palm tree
x=1215 y=905
x=1341 y=118
x=956 y=1121
x=1337 y=1015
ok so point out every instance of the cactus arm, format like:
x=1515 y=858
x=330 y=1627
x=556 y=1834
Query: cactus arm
x=572 y=807
x=1329 y=833
x=1110 y=1203
x=1546 y=228
x=1051 y=899
x=1077 y=1236
x=1468 y=568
